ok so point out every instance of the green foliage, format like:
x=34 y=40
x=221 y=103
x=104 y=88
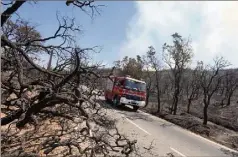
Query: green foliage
x=179 y=55
x=130 y=66
x=151 y=59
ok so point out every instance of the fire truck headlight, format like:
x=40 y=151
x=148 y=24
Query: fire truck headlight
x=123 y=99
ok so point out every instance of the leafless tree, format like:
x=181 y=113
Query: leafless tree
x=149 y=79
x=229 y=85
x=52 y=111
x=177 y=57
x=192 y=88
x=210 y=81
x=153 y=62
x=166 y=86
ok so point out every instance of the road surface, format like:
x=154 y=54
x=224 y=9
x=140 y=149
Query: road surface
x=164 y=136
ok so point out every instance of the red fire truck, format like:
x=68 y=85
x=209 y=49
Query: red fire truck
x=125 y=91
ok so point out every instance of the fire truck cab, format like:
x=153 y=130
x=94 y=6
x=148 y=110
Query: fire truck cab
x=125 y=91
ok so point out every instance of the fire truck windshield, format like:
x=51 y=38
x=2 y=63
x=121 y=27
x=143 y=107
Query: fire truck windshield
x=134 y=85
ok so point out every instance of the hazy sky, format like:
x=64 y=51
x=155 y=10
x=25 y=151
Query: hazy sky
x=129 y=27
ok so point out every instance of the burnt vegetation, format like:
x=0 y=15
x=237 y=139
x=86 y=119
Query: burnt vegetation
x=187 y=95
x=52 y=111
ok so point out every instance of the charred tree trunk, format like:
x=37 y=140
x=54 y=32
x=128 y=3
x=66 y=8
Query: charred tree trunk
x=147 y=99
x=189 y=104
x=158 y=103
x=171 y=109
x=175 y=102
x=176 y=93
x=222 y=101
x=147 y=94
x=230 y=95
x=175 y=105
x=205 y=116
x=158 y=91
x=229 y=99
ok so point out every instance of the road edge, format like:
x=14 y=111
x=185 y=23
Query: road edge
x=189 y=131
x=197 y=135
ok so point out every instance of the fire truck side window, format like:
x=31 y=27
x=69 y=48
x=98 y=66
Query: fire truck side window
x=119 y=82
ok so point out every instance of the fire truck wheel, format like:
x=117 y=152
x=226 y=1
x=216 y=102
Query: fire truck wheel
x=122 y=105
x=135 y=108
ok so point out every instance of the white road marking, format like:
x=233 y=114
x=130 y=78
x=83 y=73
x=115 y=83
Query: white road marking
x=177 y=152
x=212 y=142
x=194 y=134
x=137 y=126
x=191 y=133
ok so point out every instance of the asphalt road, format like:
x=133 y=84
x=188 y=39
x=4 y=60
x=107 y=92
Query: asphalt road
x=163 y=136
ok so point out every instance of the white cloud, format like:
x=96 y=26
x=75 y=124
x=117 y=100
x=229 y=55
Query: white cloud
x=211 y=25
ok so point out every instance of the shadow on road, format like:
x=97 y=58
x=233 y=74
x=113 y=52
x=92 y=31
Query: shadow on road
x=127 y=111
x=106 y=105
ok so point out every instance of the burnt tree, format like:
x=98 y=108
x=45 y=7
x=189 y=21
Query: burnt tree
x=210 y=80
x=153 y=63
x=230 y=84
x=177 y=57
x=192 y=87
x=53 y=111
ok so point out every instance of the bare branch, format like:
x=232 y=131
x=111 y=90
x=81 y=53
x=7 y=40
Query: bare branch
x=9 y=11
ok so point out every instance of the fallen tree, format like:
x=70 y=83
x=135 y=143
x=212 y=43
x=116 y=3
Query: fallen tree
x=44 y=112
